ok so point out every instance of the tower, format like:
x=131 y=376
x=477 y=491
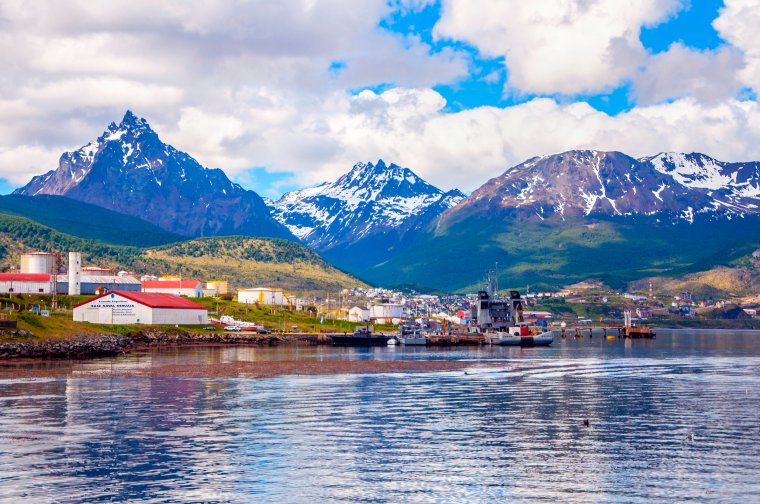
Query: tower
x=75 y=273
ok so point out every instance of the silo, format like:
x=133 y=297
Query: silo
x=75 y=273
x=37 y=262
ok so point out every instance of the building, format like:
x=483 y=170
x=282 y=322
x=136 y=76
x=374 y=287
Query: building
x=26 y=283
x=386 y=311
x=263 y=295
x=187 y=288
x=92 y=284
x=358 y=314
x=220 y=287
x=120 y=307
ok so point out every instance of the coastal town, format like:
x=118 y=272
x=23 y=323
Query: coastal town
x=51 y=284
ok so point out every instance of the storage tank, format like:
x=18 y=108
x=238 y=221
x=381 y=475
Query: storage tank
x=75 y=273
x=37 y=262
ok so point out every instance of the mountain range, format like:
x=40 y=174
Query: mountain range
x=549 y=220
x=128 y=169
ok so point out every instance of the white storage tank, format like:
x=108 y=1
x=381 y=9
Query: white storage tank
x=37 y=262
x=75 y=273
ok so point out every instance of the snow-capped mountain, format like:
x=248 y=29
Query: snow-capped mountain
x=588 y=183
x=130 y=170
x=370 y=201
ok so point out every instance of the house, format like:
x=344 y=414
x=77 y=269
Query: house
x=26 y=283
x=187 y=288
x=123 y=307
x=358 y=314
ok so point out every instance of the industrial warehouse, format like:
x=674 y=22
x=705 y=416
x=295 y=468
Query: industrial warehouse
x=120 y=307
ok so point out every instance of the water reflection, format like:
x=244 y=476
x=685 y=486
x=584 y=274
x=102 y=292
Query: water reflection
x=511 y=432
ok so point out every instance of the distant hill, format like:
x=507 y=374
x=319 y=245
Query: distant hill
x=244 y=261
x=128 y=169
x=87 y=221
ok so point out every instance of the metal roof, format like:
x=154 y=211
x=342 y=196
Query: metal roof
x=24 y=277
x=170 y=284
x=152 y=300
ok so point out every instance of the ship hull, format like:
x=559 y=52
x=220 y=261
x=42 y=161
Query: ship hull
x=352 y=340
x=543 y=339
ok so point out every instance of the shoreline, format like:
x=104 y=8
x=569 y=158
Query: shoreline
x=92 y=346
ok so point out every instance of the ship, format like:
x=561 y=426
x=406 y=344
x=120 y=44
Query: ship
x=362 y=336
x=502 y=321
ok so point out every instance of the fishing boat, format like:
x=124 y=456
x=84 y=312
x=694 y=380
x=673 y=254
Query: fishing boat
x=362 y=336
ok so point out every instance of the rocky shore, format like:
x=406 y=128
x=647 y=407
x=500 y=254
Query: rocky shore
x=90 y=346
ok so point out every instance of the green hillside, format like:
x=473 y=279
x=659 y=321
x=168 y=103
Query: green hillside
x=86 y=221
x=243 y=261
x=455 y=255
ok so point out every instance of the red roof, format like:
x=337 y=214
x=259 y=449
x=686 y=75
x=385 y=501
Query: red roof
x=153 y=300
x=24 y=277
x=170 y=284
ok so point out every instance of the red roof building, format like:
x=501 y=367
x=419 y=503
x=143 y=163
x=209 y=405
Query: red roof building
x=25 y=283
x=153 y=300
x=189 y=288
x=125 y=307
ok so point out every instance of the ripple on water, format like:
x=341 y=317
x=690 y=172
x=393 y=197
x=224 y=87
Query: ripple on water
x=661 y=427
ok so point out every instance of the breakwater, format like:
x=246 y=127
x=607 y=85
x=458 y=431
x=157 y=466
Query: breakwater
x=104 y=345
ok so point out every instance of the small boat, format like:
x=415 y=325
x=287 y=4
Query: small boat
x=362 y=336
x=527 y=340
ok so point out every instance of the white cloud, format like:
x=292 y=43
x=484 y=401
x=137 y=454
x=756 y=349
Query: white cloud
x=247 y=84
x=466 y=148
x=738 y=24
x=557 y=46
x=708 y=76
x=71 y=67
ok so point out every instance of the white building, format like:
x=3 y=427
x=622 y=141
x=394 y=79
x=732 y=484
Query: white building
x=187 y=288
x=263 y=295
x=121 y=307
x=26 y=283
x=358 y=314
x=386 y=311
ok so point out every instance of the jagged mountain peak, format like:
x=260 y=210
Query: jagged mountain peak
x=130 y=170
x=368 y=199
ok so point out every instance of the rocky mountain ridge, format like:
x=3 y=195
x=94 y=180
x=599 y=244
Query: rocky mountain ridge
x=587 y=183
x=128 y=169
x=370 y=199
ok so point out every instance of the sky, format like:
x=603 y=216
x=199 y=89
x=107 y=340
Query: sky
x=288 y=94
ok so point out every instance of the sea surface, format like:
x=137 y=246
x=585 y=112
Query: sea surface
x=671 y=419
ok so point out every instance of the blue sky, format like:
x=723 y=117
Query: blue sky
x=288 y=94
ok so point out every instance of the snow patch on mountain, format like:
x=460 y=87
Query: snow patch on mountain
x=370 y=198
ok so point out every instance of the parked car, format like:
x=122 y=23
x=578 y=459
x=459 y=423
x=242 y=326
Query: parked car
x=263 y=331
x=209 y=328
x=232 y=328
